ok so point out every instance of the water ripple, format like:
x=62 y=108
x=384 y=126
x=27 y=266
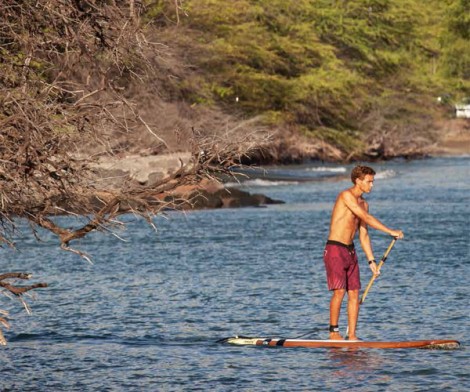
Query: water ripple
x=147 y=315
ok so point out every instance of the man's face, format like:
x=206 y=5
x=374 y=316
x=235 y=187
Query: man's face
x=366 y=184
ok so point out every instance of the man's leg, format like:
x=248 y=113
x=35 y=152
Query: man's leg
x=353 y=313
x=335 y=307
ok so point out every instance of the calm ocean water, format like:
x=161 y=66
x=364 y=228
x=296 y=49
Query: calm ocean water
x=146 y=316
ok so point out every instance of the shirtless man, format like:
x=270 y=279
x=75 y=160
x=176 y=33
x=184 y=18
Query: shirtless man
x=350 y=214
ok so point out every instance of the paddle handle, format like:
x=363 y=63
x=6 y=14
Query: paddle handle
x=382 y=261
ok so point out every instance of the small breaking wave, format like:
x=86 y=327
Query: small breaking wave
x=260 y=183
x=385 y=174
x=340 y=169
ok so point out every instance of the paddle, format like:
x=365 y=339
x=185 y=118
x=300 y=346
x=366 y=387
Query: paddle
x=382 y=261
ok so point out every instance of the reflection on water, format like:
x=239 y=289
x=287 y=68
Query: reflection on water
x=347 y=362
x=359 y=367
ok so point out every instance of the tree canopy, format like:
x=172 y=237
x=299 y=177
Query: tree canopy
x=336 y=70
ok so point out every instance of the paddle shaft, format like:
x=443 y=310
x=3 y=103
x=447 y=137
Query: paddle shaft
x=382 y=261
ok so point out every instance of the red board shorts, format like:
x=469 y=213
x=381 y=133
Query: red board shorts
x=342 y=268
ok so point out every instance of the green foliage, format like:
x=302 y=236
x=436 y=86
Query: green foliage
x=458 y=19
x=372 y=35
x=322 y=65
x=346 y=140
x=455 y=60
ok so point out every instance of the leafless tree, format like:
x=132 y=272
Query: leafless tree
x=64 y=68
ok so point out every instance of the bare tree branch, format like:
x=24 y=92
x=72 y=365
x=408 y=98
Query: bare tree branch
x=64 y=68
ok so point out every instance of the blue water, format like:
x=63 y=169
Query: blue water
x=146 y=316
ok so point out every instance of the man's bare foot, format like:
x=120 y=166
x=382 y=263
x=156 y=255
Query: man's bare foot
x=335 y=336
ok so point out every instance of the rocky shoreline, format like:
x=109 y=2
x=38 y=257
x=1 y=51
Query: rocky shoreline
x=149 y=170
x=454 y=142
x=211 y=194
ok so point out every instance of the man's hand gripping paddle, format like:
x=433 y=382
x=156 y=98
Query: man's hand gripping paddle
x=382 y=261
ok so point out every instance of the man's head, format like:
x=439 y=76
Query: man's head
x=363 y=177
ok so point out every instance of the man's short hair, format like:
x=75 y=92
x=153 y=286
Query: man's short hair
x=360 y=172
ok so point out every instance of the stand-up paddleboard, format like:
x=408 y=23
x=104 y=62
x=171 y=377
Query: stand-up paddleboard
x=423 y=344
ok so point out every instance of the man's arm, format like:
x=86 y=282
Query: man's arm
x=366 y=245
x=351 y=202
x=365 y=240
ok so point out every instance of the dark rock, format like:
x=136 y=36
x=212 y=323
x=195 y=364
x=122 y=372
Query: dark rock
x=211 y=197
x=230 y=198
x=203 y=199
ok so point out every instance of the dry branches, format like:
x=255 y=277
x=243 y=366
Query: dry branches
x=64 y=69
x=17 y=291
x=63 y=66
x=60 y=69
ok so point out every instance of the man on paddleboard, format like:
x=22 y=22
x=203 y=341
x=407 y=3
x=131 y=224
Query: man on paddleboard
x=350 y=214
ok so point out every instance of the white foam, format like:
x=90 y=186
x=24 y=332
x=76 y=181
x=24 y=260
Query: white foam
x=260 y=182
x=327 y=169
x=385 y=174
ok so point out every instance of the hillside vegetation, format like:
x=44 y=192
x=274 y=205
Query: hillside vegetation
x=361 y=75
